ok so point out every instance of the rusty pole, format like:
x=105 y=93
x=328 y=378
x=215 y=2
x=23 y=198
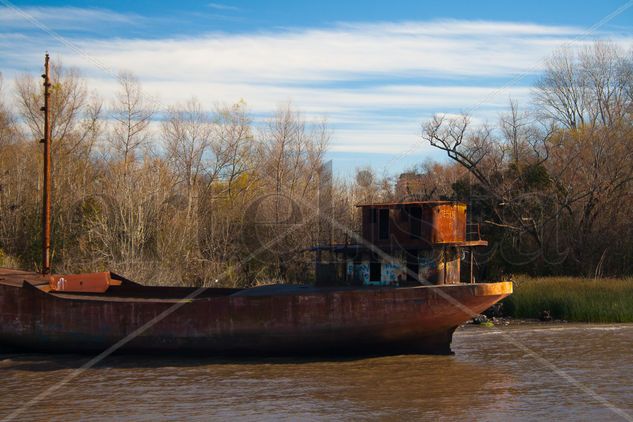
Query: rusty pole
x=46 y=191
x=472 y=261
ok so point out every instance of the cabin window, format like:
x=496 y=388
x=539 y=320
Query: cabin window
x=403 y=214
x=415 y=215
x=374 y=271
x=383 y=224
x=374 y=213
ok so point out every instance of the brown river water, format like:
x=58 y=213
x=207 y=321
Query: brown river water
x=516 y=372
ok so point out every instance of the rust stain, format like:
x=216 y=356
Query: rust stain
x=381 y=320
x=82 y=283
x=449 y=223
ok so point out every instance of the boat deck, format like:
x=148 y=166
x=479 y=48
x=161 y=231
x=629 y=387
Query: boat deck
x=16 y=278
x=127 y=291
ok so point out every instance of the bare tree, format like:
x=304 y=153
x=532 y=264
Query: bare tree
x=294 y=152
x=467 y=146
x=7 y=120
x=507 y=167
x=75 y=127
x=585 y=87
x=291 y=157
x=557 y=173
x=233 y=146
x=74 y=112
x=122 y=224
x=17 y=186
x=187 y=134
x=132 y=113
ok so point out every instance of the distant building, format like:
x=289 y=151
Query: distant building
x=409 y=185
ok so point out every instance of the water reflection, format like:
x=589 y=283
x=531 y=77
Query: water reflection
x=487 y=379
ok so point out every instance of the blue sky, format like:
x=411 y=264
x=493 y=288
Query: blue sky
x=375 y=70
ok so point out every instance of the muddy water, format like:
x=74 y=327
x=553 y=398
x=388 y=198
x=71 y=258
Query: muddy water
x=492 y=376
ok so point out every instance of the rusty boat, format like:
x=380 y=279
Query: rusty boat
x=267 y=320
x=398 y=289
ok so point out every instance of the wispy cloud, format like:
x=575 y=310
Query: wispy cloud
x=363 y=77
x=444 y=49
x=454 y=27
x=220 y=6
x=64 y=18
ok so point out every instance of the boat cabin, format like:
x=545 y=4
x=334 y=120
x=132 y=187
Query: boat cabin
x=401 y=244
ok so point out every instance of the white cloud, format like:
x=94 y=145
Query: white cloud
x=444 y=49
x=323 y=55
x=454 y=27
x=339 y=105
x=363 y=77
x=62 y=18
x=221 y=6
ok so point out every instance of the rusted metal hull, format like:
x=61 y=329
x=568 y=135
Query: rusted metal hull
x=327 y=321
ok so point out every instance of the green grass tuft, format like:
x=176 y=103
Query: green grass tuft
x=572 y=299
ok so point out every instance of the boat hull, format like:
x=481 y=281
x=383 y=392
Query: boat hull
x=326 y=321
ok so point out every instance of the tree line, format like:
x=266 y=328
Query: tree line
x=185 y=195
x=552 y=181
x=178 y=195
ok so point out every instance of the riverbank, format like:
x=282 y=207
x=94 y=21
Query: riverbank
x=571 y=299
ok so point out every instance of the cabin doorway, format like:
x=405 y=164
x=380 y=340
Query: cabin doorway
x=374 y=271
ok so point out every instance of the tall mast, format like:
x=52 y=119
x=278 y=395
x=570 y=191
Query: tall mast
x=46 y=192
